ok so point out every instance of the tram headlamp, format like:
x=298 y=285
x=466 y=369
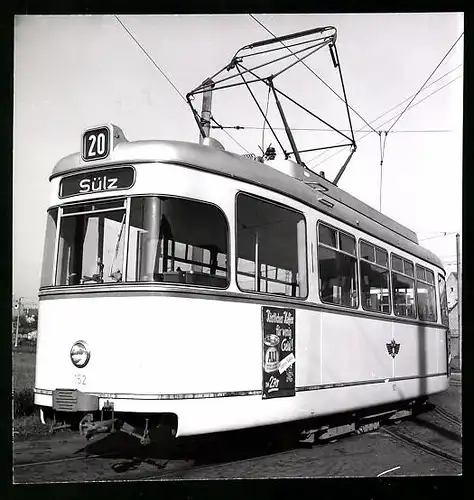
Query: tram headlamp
x=80 y=354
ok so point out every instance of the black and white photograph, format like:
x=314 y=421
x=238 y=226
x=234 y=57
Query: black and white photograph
x=237 y=246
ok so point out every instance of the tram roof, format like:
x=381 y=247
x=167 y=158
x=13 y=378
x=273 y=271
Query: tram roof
x=345 y=207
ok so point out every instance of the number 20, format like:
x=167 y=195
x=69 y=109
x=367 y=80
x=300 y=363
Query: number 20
x=97 y=145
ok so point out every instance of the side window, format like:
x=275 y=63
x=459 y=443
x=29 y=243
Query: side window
x=271 y=248
x=443 y=300
x=374 y=279
x=47 y=278
x=337 y=264
x=403 y=287
x=173 y=240
x=425 y=294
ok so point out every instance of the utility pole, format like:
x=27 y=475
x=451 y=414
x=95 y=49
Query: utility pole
x=18 y=308
x=459 y=272
x=206 y=109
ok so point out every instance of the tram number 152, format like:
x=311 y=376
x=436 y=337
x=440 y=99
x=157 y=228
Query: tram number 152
x=96 y=144
x=79 y=379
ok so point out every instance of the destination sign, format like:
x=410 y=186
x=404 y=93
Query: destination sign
x=96 y=144
x=109 y=179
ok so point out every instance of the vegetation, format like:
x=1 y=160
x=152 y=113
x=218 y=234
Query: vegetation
x=25 y=416
x=23 y=403
x=24 y=367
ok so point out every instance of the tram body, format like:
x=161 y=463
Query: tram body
x=150 y=303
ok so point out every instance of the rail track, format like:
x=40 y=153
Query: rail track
x=66 y=458
x=165 y=468
x=210 y=457
x=450 y=417
x=423 y=445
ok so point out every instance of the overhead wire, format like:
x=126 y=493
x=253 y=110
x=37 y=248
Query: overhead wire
x=411 y=107
x=382 y=142
x=408 y=98
x=314 y=73
x=427 y=80
x=150 y=58
x=219 y=126
x=441 y=234
x=312 y=129
x=164 y=74
x=395 y=107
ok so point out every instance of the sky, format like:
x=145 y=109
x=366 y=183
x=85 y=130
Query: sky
x=74 y=72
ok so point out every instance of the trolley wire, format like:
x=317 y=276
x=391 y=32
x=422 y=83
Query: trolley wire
x=313 y=72
x=164 y=74
x=219 y=126
x=411 y=107
x=150 y=58
x=382 y=142
x=441 y=234
x=312 y=129
x=427 y=80
x=395 y=107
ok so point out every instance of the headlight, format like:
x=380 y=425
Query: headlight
x=80 y=354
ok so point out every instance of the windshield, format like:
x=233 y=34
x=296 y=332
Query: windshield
x=169 y=240
x=91 y=243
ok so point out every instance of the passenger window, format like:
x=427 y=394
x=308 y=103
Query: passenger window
x=347 y=243
x=381 y=257
x=271 y=248
x=374 y=279
x=429 y=276
x=443 y=300
x=47 y=278
x=173 y=240
x=425 y=294
x=403 y=288
x=397 y=264
x=337 y=269
x=367 y=252
x=327 y=236
x=408 y=267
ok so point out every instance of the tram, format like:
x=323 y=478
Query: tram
x=190 y=287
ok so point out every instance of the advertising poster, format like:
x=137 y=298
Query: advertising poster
x=279 y=362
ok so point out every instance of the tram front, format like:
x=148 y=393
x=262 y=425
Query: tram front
x=117 y=333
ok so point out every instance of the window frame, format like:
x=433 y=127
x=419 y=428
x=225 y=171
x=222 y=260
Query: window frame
x=284 y=207
x=53 y=213
x=415 y=317
x=443 y=278
x=354 y=256
x=127 y=201
x=61 y=215
x=436 y=294
x=360 y=259
x=186 y=198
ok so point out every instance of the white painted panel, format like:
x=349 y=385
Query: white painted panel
x=146 y=344
x=354 y=349
x=419 y=346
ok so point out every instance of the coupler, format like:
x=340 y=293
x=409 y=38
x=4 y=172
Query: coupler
x=88 y=428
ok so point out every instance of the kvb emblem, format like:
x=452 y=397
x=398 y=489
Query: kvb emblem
x=393 y=348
